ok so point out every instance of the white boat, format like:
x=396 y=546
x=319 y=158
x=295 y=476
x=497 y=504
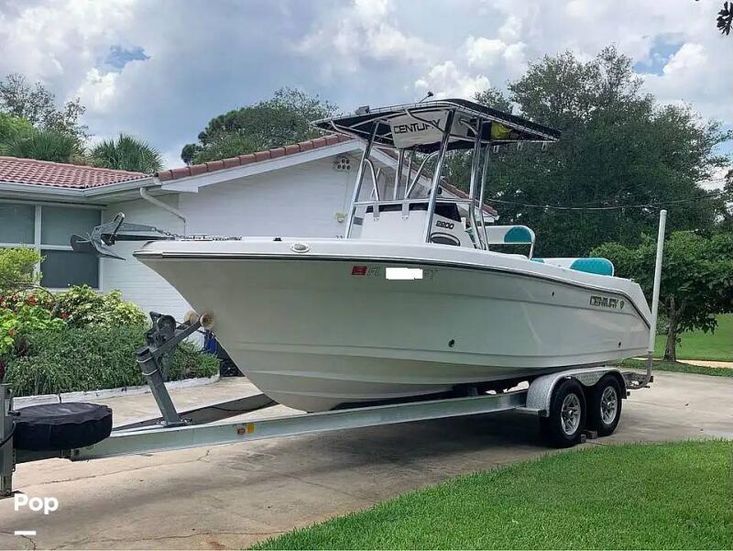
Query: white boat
x=412 y=302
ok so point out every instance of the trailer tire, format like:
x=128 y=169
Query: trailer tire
x=55 y=427
x=604 y=410
x=564 y=426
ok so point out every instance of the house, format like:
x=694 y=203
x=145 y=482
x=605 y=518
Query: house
x=302 y=189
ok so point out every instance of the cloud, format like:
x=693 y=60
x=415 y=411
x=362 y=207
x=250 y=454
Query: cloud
x=97 y=91
x=345 y=39
x=484 y=52
x=446 y=80
x=698 y=75
x=160 y=70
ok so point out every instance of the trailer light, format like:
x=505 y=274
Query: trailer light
x=359 y=270
x=403 y=274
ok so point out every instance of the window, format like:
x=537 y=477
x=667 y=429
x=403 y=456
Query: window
x=59 y=223
x=48 y=229
x=17 y=223
x=63 y=268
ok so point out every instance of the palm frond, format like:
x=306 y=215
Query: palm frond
x=725 y=18
x=127 y=153
x=43 y=145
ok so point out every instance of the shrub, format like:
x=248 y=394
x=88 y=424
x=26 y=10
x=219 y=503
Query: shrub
x=82 y=306
x=31 y=297
x=94 y=357
x=16 y=324
x=17 y=268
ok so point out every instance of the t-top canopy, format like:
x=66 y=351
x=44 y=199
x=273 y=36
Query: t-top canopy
x=420 y=126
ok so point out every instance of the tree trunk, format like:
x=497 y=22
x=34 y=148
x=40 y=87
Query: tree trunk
x=670 y=349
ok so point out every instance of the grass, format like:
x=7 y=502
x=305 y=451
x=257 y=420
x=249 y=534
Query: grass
x=632 y=496
x=660 y=365
x=697 y=345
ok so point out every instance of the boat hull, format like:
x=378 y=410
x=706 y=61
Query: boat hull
x=326 y=330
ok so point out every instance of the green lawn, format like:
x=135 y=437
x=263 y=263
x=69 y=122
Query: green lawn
x=678 y=367
x=632 y=496
x=704 y=346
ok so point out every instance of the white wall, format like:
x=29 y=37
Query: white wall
x=137 y=282
x=299 y=201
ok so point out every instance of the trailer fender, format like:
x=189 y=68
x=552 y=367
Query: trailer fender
x=541 y=388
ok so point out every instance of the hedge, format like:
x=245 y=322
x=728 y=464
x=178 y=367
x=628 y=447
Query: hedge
x=92 y=358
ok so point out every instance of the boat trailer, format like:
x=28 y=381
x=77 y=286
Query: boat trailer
x=198 y=427
x=89 y=435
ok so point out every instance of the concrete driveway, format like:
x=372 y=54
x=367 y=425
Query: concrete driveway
x=232 y=496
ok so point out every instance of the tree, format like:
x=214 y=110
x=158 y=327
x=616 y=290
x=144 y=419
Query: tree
x=495 y=99
x=275 y=122
x=458 y=163
x=11 y=128
x=36 y=104
x=697 y=279
x=127 y=153
x=44 y=145
x=725 y=18
x=726 y=222
x=618 y=150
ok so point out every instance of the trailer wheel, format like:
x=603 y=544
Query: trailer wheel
x=605 y=405
x=53 y=427
x=565 y=424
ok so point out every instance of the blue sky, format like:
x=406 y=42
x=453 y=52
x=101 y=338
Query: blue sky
x=160 y=69
x=663 y=47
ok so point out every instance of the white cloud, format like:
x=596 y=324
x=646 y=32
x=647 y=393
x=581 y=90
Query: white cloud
x=354 y=34
x=484 y=52
x=98 y=91
x=446 y=80
x=689 y=58
x=696 y=76
x=58 y=42
x=511 y=29
x=211 y=57
x=495 y=56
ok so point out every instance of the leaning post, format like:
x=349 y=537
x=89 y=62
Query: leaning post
x=655 y=294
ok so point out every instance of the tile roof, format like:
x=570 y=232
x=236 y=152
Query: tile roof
x=241 y=160
x=45 y=173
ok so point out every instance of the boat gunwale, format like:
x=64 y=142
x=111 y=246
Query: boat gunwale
x=289 y=257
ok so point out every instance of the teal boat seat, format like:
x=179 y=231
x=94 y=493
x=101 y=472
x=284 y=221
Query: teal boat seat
x=590 y=265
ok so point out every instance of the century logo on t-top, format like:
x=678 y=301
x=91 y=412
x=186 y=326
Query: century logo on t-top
x=414 y=127
x=606 y=302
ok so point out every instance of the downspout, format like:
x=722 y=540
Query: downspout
x=158 y=203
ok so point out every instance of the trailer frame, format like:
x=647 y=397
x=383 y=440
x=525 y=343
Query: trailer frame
x=202 y=427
